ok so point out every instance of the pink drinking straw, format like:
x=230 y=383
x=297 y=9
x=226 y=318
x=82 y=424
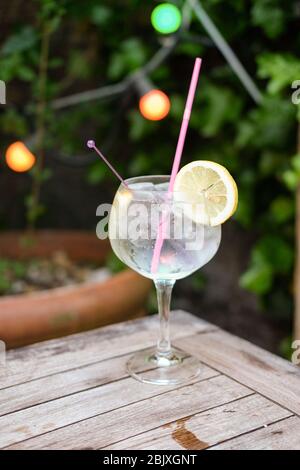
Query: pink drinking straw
x=92 y=145
x=176 y=163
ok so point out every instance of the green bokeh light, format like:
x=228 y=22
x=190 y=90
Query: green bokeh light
x=166 y=18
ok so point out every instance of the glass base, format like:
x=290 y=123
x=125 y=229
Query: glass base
x=176 y=368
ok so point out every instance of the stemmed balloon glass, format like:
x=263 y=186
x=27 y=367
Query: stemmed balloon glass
x=151 y=232
x=135 y=219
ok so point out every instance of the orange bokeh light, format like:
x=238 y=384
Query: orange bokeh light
x=154 y=105
x=19 y=158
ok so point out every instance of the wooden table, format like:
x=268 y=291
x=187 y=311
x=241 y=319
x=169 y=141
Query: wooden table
x=74 y=393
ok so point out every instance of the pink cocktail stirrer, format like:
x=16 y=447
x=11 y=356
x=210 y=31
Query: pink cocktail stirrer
x=92 y=145
x=176 y=163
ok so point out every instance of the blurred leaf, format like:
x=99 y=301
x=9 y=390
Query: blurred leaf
x=55 y=62
x=177 y=107
x=100 y=15
x=131 y=56
x=34 y=211
x=221 y=106
x=268 y=126
x=296 y=163
x=269 y=162
x=4 y=284
x=281 y=70
x=140 y=164
x=198 y=281
x=25 y=73
x=19 y=268
x=291 y=179
x=285 y=348
x=270 y=16
x=244 y=212
x=15 y=66
x=270 y=256
x=116 y=66
x=282 y=209
x=12 y=122
x=245 y=133
x=139 y=126
x=298 y=112
x=51 y=11
x=18 y=42
x=161 y=73
x=79 y=66
x=191 y=49
x=152 y=302
x=96 y=173
x=41 y=176
x=258 y=279
x=114 y=263
x=275 y=252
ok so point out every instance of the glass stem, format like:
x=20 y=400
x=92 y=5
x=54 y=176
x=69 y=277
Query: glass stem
x=164 y=292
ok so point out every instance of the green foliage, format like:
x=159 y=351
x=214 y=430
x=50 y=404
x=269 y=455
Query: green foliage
x=10 y=269
x=268 y=126
x=291 y=176
x=21 y=41
x=198 y=281
x=79 y=65
x=270 y=16
x=274 y=251
x=282 y=209
x=280 y=70
x=34 y=211
x=97 y=173
x=286 y=347
x=222 y=106
x=100 y=15
x=257 y=279
x=114 y=263
x=271 y=256
x=270 y=131
x=131 y=55
x=13 y=122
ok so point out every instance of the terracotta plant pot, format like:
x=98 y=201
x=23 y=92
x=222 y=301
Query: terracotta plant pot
x=28 y=318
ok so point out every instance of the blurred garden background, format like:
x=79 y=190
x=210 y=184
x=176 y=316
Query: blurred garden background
x=55 y=58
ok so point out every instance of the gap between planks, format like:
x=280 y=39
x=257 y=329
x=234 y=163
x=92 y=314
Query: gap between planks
x=253 y=354
x=208 y=428
x=65 y=384
x=59 y=355
x=267 y=374
x=112 y=424
x=281 y=435
x=62 y=384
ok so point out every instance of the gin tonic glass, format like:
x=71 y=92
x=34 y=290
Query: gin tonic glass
x=137 y=214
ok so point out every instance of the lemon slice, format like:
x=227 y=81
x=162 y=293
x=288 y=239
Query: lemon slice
x=207 y=191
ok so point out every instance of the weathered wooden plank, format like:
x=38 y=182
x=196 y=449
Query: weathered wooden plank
x=258 y=369
x=284 y=435
x=208 y=428
x=112 y=426
x=54 y=356
x=62 y=384
x=76 y=407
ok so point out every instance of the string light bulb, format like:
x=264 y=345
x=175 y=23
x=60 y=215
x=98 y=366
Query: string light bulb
x=166 y=18
x=19 y=158
x=154 y=105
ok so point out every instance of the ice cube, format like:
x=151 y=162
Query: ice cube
x=162 y=186
x=143 y=192
x=141 y=186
